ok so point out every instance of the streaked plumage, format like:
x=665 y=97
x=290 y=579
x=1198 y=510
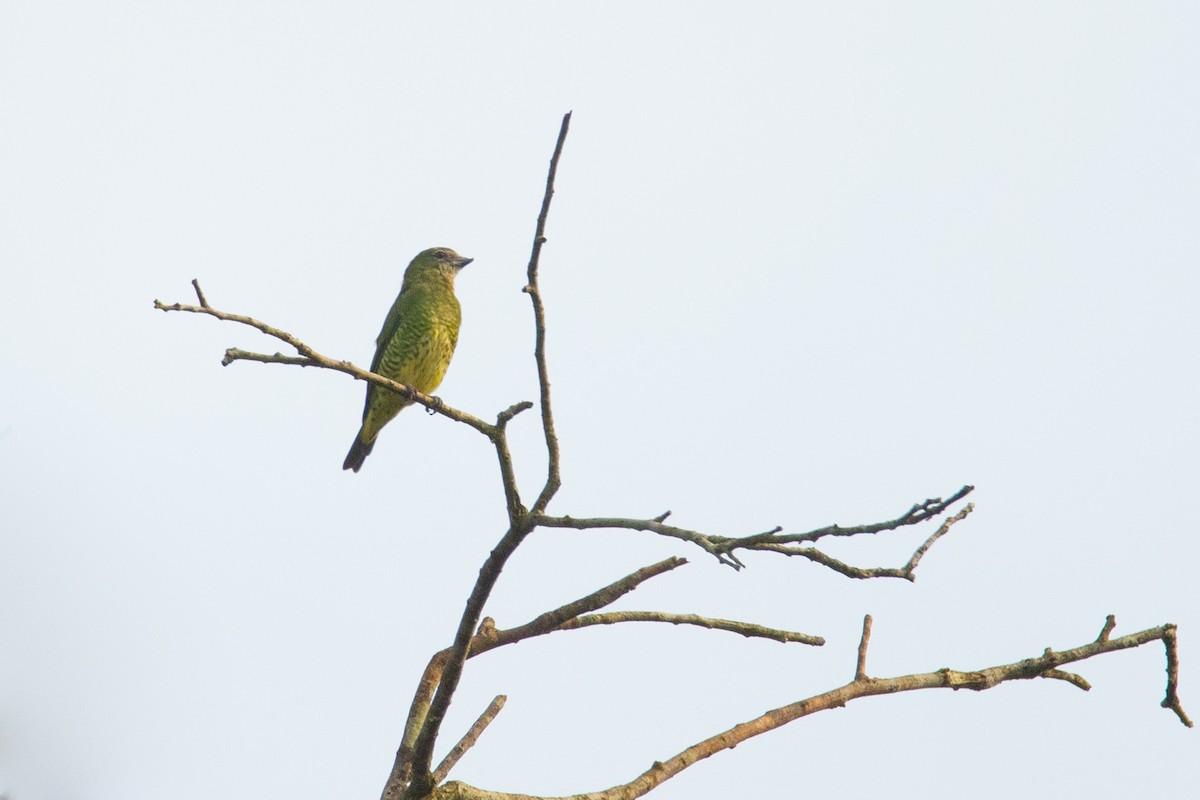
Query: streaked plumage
x=416 y=343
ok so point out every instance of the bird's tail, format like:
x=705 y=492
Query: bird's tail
x=358 y=453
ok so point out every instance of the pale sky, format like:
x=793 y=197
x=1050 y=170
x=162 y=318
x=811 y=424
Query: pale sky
x=807 y=263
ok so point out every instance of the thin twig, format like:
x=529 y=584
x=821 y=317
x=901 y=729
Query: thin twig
x=311 y=358
x=553 y=475
x=747 y=629
x=199 y=292
x=722 y=547
x=860 y=668
x=916 y=514
x=911 y=567
x=704 y=541
x=1070 y=677
x=469 y=739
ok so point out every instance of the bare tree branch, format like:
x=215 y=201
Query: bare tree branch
x=747 y=629
x=553 y=476
x=918 y=513
x=311 y=358
x=656 y=525
x=861 y=686
x=488 y=637
x=469 y=738
x=721 y=547
x=911 y=566
x=519 y=526
x=412 y=777
x=1171 y=701
x=1070 y=677
x=860 y=668
x=422 y=755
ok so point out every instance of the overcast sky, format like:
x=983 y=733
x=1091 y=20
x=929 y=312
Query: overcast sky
x=807 y=263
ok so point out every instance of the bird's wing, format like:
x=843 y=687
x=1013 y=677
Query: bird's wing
x=390 y=325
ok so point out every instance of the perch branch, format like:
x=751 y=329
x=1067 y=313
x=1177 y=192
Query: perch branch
x=311 y=358
x=978 y=680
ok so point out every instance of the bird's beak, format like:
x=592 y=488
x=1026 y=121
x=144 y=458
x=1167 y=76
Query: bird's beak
x=462 y=261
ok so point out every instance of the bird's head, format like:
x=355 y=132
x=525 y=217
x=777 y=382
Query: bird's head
x=436 y=260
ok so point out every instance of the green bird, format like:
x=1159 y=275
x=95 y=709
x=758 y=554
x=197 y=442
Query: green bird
x=416 y=342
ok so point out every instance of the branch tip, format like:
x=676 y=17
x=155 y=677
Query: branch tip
x=469 y=739
x=199 y=293
x=860 y=669
x=1070 y=677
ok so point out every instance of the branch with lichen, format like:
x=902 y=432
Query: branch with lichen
x=1045 y=665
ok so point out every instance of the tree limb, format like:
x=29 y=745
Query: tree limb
x=553 y=477
x=311 y=358
x=861 y=686
x=488 y=637
x=747 y=629
x=469 y=738
x=721 y=547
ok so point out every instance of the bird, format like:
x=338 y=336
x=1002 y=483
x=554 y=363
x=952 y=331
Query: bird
x=415 y=345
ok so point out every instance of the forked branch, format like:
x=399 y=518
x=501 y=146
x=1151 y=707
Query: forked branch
x=861 y=686
x=722 y=547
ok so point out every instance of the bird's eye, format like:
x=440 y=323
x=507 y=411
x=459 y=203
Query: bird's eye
x=439 y=254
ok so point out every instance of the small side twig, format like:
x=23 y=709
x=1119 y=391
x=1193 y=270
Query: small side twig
x=860 y=668
x=1110 y=624
x=911 y=567
x=469 y=738
x=199 y=293
x=1070 y=677
x=916 y=514
x=747 y=629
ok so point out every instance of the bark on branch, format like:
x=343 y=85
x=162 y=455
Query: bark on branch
x=723 y=547
x=861 y=686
